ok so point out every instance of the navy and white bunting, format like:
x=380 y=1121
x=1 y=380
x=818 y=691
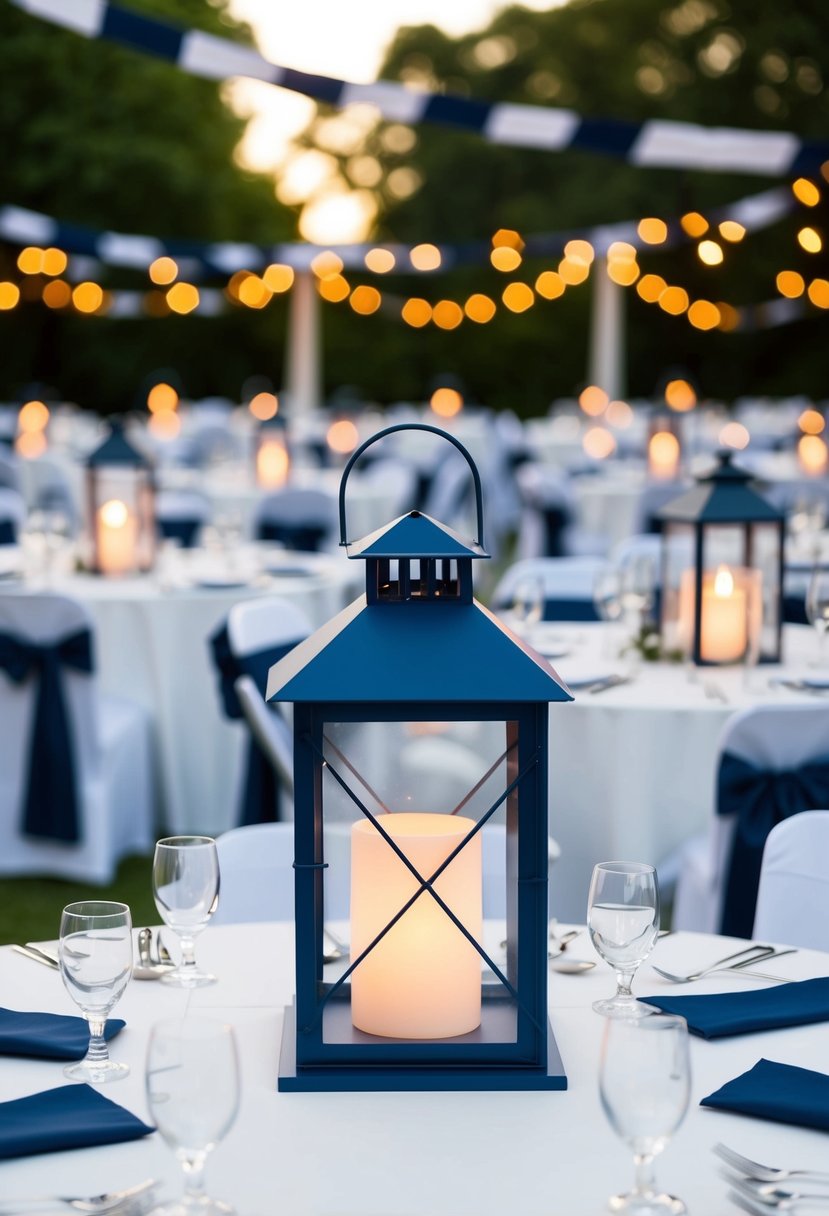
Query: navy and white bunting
x=655 y=143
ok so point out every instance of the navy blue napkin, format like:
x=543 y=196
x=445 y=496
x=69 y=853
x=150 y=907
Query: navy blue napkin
x=51 y=1036
x=725 y=1013
x=780 y=1092
x=72 y=1116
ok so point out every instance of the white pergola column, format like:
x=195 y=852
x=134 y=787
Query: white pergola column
x=607 y=363
x=304 y=374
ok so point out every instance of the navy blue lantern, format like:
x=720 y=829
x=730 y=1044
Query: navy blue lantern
x=120 y=510
x=417 y=668
x=722 y=570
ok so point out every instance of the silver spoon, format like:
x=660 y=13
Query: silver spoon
x=571 y=966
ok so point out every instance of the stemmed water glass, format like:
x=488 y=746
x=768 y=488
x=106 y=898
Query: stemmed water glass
x=186 y=893
x=527 y=603
x=638 y=585
x=95 y=954
x=623 y=919
x=193 y=1094
x=607 y=598
x=645 y=1082
x=817 y=608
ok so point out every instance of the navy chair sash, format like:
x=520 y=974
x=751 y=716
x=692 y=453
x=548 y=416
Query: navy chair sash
x=260 y=796
x=554 y=519
x=299 y=538
x=50 y=803
x=183 y=530
x=8 y=532
x=561 y=609
x=759 y=799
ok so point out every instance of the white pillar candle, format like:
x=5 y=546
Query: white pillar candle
x=663 y=455
x=724 y=624
x=423 y=980
x=272 y=464
x=117 y=533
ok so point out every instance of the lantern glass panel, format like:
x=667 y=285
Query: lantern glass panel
x=121 y=521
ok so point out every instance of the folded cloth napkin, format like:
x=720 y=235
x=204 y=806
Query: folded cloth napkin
x=72 y=1116
x=780 y=1092
x=725 y=1013
x=52 y=1036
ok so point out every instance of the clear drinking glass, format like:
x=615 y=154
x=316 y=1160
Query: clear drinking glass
x=607 y=599
x=817 y=608
x=527 y=603
x=638 y=586
x=95 y=953
x=193 y=1094
x=623 y=919
x=186 y=893
x=645 y=1083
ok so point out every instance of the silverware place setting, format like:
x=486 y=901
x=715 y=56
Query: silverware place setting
x=129 y=1202
x=761 y=1189
x=738 y=962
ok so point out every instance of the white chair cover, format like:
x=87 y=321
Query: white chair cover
x=793 y=898
x=566 y=578
x=257 y=877
x=112 y=746
x=768 y=737
x=294 y=507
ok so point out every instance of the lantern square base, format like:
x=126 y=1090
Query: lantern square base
x=339 y=1078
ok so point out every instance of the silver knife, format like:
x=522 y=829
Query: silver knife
x=39 y=957
x=610 y=682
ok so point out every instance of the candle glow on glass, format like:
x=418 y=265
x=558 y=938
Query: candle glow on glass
x=732 y=610
x=663 y=455
x=117 y=533
x=272 y=464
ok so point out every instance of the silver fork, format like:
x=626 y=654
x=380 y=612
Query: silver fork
x=753 y=954
x=771 y=1193
x=763 y=1205
x=108 y=1202
x=764 y=1173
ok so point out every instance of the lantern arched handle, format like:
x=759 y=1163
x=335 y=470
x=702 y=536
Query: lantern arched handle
x=415 y=426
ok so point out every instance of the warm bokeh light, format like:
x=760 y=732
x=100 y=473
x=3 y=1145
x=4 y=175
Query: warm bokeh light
x=165 y=424
x=812 y=455
x=342 y=436
x=114 y=513
x=704 y=315
x=33 y=416
x=572 y=273
x=818 y=293
x=9 y=295
x=162 y=396
x=163 y=271
x=380 y=261
x=54 y=262
x=731 y=230
x=578 y=250
x=87 y=297
x=650 y=287
x=680 y=396
x=593 y=400
x=327 y=264
x=550 y=285
x=235 y=282
x=57 y=294
x=623 y=272
x=806 y=192
x=812 y=422
x=183 y=298
x=694 y=224
x=810 y=240
x=674 y=300
x=734 y=435
x=479 y=308
x=621 y=251
x=365 y=300
x=273 y=464
x=334 y=288
x=710 y=253
x=504 y=258
x=446 y=402
x=663 y=455
x=278 y=278
x=30 y=260
x=416 y=312
x=518 y=297
x=425 y=257
x=507 y=238
x=729 y=317
x=30 y=444
x=253 y=292
x=338 y=217
x=598 y=442
x=619 y=414
x=264 y=406
x=790 y=284
x=446 y=314
x=652 y=231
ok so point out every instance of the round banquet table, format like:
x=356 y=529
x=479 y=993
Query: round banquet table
x=152 y=645
x=632 y=768
x=415 y=1154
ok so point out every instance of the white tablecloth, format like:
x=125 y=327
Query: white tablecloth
x=424 y=1154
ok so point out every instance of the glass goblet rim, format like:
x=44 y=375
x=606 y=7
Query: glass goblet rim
x=185 y=842
x=626 y=867
x=79 y=909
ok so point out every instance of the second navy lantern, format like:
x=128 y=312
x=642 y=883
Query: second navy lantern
x=413 y=678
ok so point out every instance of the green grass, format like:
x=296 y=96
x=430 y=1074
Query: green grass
x=30 y=908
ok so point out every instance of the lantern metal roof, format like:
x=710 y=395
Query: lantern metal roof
x=116 y=449
x=415 y=535
x=723 y=496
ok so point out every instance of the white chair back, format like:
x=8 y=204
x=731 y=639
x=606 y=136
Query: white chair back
x=793 y=899
x=270 y=621
x=566 y=578
x=256 y=871
x=182 y=504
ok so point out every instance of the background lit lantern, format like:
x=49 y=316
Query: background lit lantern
x=427 y=1001
x=120 y=506
x=722 y=570
x=664 y=445
x=273 y=456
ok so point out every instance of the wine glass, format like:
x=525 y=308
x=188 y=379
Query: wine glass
x=623 y=919
x=192 y=1081
x=638 y=584
x=645 y=1083
x=817 y=608
x=95 y=954
x=607 y=599
x=186 y=893
x=527 y=603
